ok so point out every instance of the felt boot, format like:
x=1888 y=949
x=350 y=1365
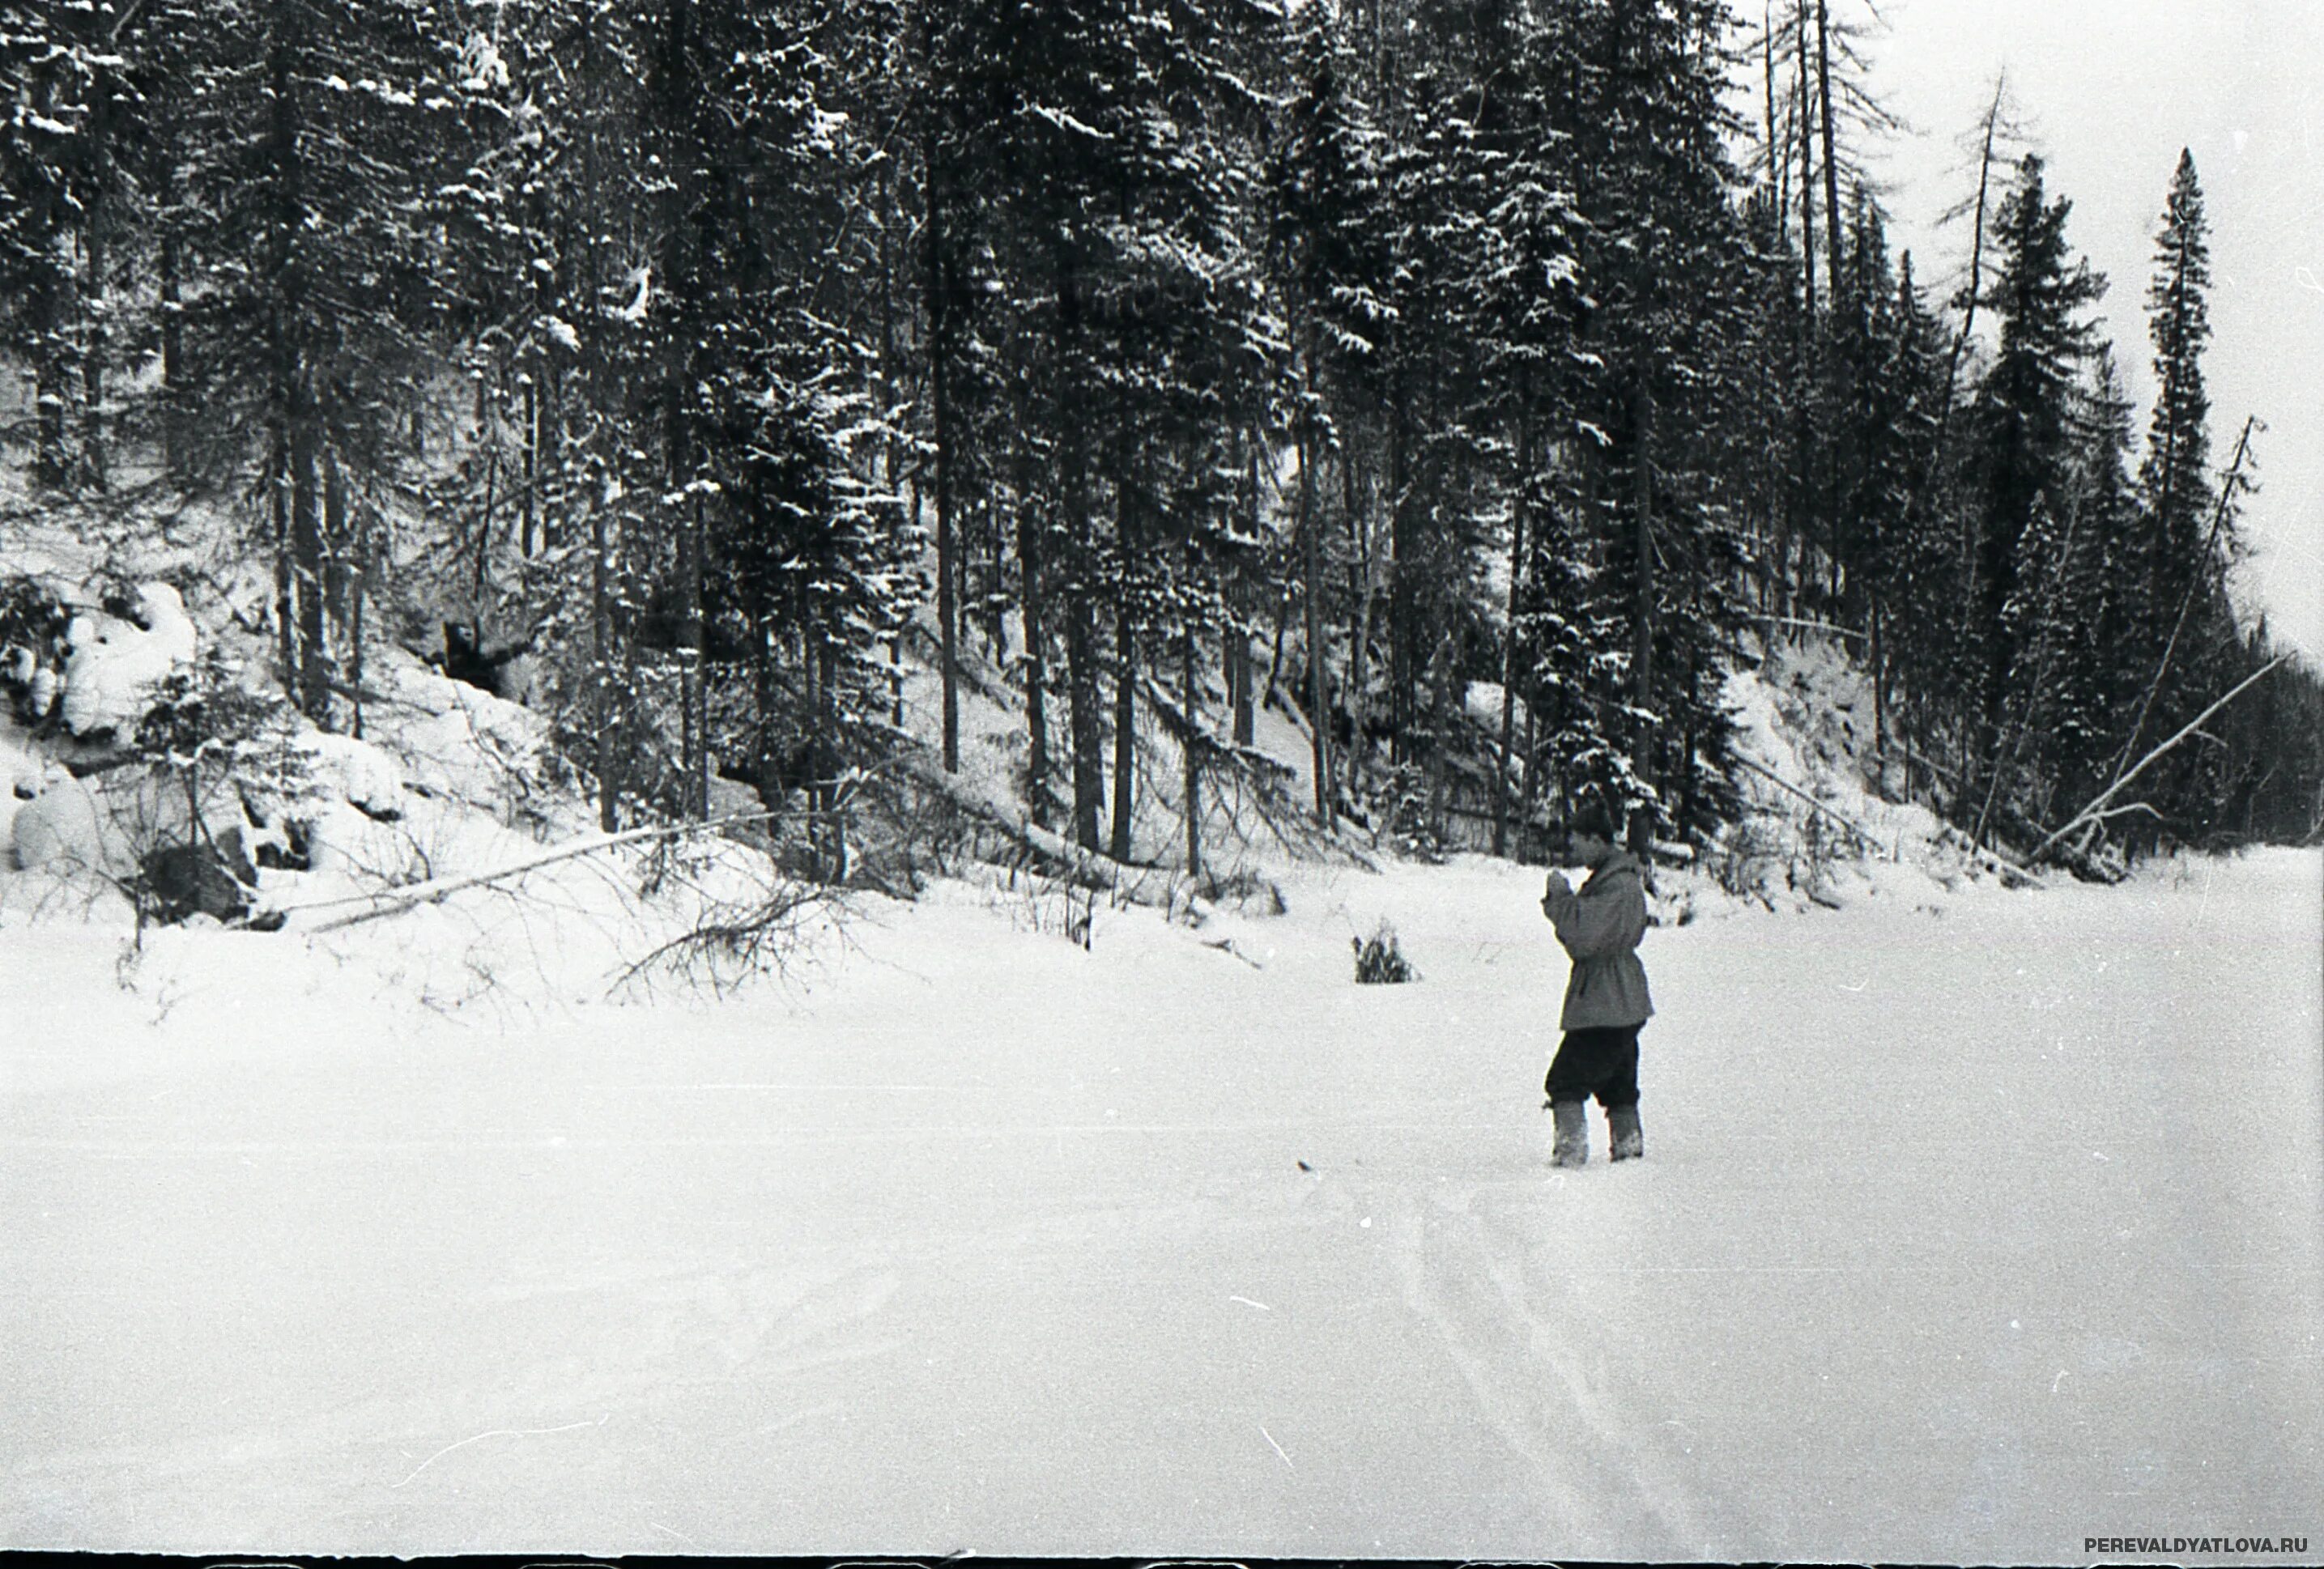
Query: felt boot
x=1622 y=1131
x=1571 y=1145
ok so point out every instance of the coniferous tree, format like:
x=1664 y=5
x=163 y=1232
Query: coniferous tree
x=1889 y=349
x=81 y=122
x=1329 y=259
x=1668 y=257
x=1528 y=307
x=2185 y=643
x=313 y=130
x=1092 y=149
x=2173 y=480
x=40 y=163
x=2103 y=615
x=2023 y=453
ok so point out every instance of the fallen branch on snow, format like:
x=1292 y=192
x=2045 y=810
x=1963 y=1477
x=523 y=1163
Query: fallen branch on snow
x=1863 y=836
x=1052 y=851
x=1999 y=862
x=435 y=890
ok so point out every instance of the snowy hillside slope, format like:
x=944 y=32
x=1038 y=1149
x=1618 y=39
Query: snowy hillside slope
x=1821 y=831
x=462 y=783
x=448 y=783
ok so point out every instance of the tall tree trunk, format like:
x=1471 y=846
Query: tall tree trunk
x=831 y=831
x=1403 y=657
x=601 y=659
x=1779 y=152
x=307 y=560
x=556 y=499
x=1518 y=521
x=335 y=555
x=1880 y=703
x=1642 y=658
x=174 y=457
x=479 y=588
x=1444 y=709
x=278 y=502
x=56 y=304
x=93 y=355
x=1964 y=754
x=1125 y=677
x=1125 y=732
x=1360 y=620
x=1532 y=785
x=531 y=536
x=677 y=471
x=1835 y=284
x=95 y=222
x=1319 y=714
x=1082 y=702
x=890 y=406
x=1234 y=653
x=50 y=316
x=810 y=669
x=1037 y=672
x=1240 y=677
x=358 y=589
x=290 y=396
x=1831 y=158
x=940 y=355
x=1274 y=642
x=694 y=690
x=1929 y=469
x=1188 y=697
x=1081 y=630
x=762 y=704
x=1807 y=164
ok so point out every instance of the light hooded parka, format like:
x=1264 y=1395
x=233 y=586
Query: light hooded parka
x=1599 y=927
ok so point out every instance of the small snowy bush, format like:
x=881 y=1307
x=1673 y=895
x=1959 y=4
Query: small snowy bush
x=207 y=729
x=1379 y=962
x=225 y=758
x=1742 y=856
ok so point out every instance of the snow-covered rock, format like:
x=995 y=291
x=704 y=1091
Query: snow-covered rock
x=114 y=664
x=58 y=823
x=357 y=771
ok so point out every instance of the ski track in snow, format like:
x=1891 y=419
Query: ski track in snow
x=1960 y=1235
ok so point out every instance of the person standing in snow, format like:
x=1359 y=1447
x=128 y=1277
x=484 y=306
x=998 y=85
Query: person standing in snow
x=1606 y=1001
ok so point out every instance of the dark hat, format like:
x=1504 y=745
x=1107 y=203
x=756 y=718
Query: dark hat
x=1591 y=817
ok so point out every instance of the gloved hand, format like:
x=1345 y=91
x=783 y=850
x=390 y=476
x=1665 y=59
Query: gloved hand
x=1555 y=886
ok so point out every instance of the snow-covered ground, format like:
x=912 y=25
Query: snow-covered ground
x=1973 y=1223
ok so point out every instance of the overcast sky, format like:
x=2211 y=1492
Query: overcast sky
x=2110 y=91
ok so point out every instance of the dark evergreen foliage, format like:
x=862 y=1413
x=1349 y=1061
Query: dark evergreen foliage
x=1461 y=379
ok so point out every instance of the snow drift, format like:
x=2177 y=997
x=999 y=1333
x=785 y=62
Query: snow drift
x=1971 y=1224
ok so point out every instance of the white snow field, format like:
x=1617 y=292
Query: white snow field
x=1972 y=1225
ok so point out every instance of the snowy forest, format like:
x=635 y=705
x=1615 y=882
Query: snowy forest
x=1471 y=383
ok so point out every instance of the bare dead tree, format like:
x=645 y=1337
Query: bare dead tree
x=2236 y=482
x=2099 y=811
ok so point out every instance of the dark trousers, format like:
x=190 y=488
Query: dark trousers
x=1603 y=1062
